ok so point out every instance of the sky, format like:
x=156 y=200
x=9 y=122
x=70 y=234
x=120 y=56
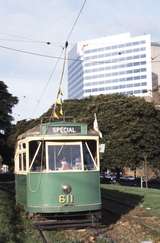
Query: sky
x=28 y=25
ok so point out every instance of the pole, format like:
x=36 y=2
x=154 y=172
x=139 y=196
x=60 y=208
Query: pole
x=141 y=182
x=145 y=172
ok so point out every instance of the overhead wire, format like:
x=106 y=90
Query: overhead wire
x=25 y=41
x=76 y=20
x=36 y=54
x=20 y=38
x=48 y=81
x=32 y=42
x=61 y=79
x=17 y=36
x=47 y=42
x=43 y=141
x=65 y=55
x=48 y=56
x=64 y=63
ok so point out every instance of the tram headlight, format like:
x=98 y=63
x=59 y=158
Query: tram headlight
x=66 y=189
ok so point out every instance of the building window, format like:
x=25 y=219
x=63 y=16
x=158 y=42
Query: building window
x=137 y=91
x=143 y=76
x=144 y=83
x=144 y=91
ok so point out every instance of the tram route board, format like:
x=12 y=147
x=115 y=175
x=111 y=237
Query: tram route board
x=63 y=128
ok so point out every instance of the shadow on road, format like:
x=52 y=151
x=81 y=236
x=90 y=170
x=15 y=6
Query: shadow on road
x=115 y=204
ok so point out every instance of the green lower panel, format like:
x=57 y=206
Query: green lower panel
x=45 y=193
x=21 y=192
x=62 y=209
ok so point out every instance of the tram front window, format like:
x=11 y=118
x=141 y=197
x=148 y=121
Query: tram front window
x=89 y=155
x=37 y=160
x=64 y=157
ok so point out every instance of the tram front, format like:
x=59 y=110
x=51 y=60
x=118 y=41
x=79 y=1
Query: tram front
x=63 y=171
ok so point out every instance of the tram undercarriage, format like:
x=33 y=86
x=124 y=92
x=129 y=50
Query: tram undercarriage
x=66 y=220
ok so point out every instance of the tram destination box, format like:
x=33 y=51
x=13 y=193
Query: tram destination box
x=63 y=128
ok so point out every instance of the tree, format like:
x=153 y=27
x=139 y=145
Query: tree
x=132 y=131
x=7 y=101
x=130 y=128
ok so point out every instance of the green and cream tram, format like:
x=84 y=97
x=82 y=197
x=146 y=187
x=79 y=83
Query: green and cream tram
x=57 y=171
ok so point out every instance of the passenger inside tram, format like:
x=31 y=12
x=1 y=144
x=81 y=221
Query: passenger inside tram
x=64 y=164
x=78 y=164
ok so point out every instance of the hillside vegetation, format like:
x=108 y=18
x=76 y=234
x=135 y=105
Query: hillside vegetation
x=130 y=128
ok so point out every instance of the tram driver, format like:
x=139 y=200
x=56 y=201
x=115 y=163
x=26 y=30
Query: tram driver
x=78 y=164
x=65 y=165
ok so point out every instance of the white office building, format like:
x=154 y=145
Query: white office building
x=115 y=64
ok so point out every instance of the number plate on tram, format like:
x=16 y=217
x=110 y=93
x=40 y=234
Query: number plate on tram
x=66 y=199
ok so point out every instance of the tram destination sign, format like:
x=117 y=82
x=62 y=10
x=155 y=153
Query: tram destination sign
x=64 y=129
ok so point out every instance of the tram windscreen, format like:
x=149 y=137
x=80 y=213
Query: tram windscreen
x=37 y=158
x=89 y=155
x=64 y=157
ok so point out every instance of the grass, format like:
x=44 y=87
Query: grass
x=150 y=197
x=7 y=229
x=16 y=228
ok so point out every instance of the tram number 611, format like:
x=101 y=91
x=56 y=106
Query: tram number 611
x=66 y=198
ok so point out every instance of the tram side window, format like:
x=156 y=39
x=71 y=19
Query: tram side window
x=37 y=153
x=89 y=155
x=24 y=161
x=20 y=162
x=24 y=146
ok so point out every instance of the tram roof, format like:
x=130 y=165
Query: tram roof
x=58 y=129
